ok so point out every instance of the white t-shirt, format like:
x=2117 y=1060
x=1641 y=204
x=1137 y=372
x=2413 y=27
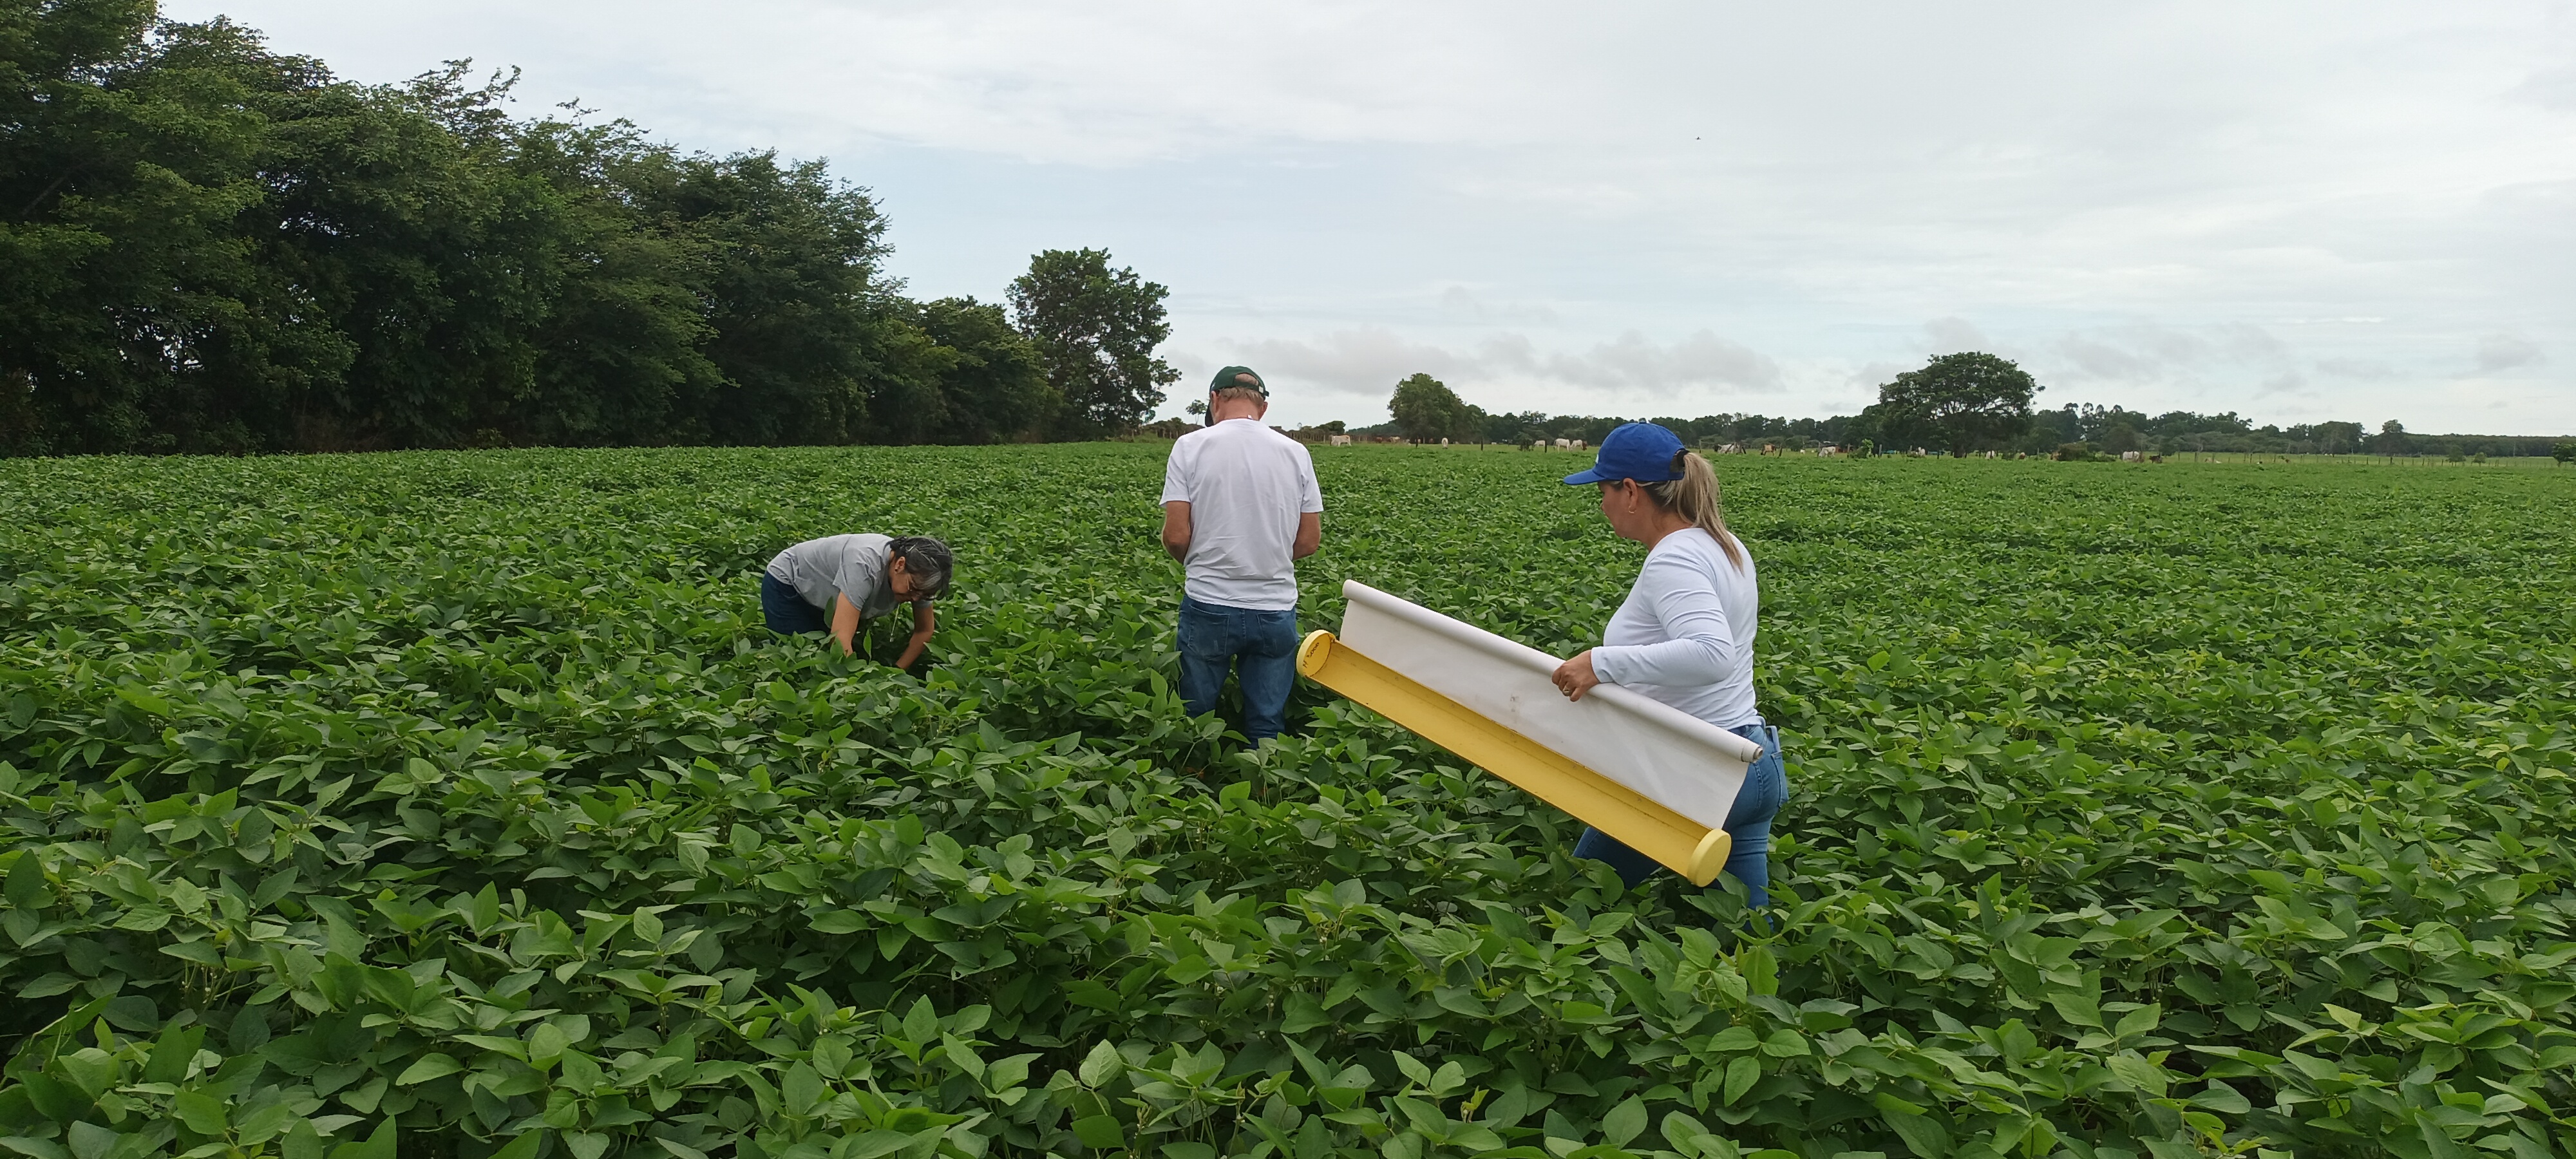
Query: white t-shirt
x=1246 y=486
x=1684 y=635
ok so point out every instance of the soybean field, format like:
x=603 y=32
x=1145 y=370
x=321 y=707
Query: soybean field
x=456 y=804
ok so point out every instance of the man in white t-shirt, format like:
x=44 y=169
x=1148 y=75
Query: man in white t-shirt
x=1240 y=507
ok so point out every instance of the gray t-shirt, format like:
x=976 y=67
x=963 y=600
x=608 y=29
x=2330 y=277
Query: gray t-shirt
x=839 y=565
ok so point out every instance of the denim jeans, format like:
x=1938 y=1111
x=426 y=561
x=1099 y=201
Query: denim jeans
x=1766 y=786
x=1259 y=646
x=787 y=613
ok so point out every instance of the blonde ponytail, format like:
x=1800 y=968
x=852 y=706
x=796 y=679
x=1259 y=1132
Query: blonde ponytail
x=1694 y=497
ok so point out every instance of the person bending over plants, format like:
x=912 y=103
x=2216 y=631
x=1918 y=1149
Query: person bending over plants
x=834 y=583
x=1684 y=636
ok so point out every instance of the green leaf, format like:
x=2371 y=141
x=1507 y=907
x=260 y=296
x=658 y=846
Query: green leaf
x=1925 y=1137
x=961 y=1056
x=429 y=1066
x=2146 y=1076
x=1760 y=968
x=1302 y=1013
x=523 y=1147
x=89 y=1140
x=1100 y=1133
x=1741 y=1074
x=2080 y=1009
x=201 y=1112
x=264 y=1124
x=921 y=1023
x=1624 y=1122
x=839 y=921
x=868 y=1145
x=546 y=1044
x=27 y=888
x=803 y=1089
x=1102 y=1066
x=1683 y=1131
x=378 y=1145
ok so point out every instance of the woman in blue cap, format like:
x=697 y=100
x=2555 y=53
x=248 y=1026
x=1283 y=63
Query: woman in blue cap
x=1685 y=634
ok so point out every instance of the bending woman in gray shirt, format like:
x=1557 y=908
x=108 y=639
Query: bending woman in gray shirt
x=1685 y=634
x=851 y=578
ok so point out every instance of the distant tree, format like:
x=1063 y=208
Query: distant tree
x=1425 y=409
x=2564 y=452
x=992 y=384
x=1469 y=425
x=2392 y=440
x=2338 y=438
x=1095 y=329
x=1517 y=427
x=1961 y=402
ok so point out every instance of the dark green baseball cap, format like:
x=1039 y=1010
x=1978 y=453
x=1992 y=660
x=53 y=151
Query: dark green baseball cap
x=1232 y=376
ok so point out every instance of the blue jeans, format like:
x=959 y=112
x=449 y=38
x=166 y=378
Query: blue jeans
x=788 y=613
x=1766 y=786
x=1259 y=646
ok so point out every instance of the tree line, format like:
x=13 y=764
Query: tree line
x=1963 y=403
x=207 y=246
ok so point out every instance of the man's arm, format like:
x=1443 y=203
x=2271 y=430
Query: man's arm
x=1176 y=529
x=923 y=621
x=845 y=621
x=1310 y=535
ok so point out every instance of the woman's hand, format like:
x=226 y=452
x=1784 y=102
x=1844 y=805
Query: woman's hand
x=1576 y=677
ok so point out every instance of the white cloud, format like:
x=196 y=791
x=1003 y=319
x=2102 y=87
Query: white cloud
x=1507 y=371
x=2506 y=352
x=1702 y=361
x=2187 y=201
x=1369 y=360
x=1954 y=336
x=2363 y=368
x=1466 y=304
x=2144 y=353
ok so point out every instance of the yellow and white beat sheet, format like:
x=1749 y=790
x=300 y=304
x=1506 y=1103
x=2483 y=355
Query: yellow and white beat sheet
x=1658 y=779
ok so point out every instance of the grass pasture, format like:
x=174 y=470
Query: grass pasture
x=441 y=804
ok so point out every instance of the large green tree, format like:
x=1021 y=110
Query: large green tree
x=1095 y=329
x=1957 y=402
x=132 y=305
x=992 y=381
x=1426 y=410
x=206 y=246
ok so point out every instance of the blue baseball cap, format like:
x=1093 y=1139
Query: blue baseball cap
x=1641 y=451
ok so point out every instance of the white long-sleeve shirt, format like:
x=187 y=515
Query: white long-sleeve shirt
x=1684 y=635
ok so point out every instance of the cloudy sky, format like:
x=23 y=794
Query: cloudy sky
x=2296 y=211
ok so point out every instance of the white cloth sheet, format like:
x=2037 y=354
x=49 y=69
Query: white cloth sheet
x=1687 y=765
